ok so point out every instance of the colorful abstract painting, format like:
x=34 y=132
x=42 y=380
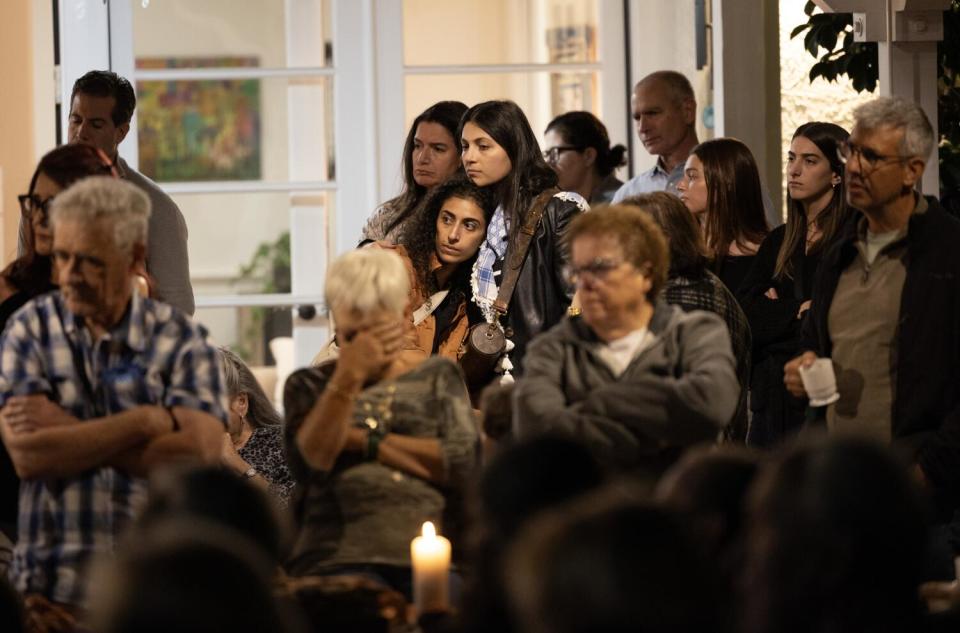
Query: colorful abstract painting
x=199 y=130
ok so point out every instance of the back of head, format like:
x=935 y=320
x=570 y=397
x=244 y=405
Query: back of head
x=347 y=604
x=641 y=240
x=836 y=541
x=187 y=577
x=219 y=498
x=123 y=205
x=105 y=83
x=898 y=113
x=609 y=565
x=734 y=194
x=688 y=253
x=582 y=130
x=536 y=474
x=367 y=279
x=712 y=485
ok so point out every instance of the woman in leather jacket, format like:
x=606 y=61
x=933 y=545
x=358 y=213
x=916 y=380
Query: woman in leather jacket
x=500 y=151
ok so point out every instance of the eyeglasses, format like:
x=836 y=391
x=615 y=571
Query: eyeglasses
x=31 y=204
x=552 y=155
x=867 y=159
x=598 y=269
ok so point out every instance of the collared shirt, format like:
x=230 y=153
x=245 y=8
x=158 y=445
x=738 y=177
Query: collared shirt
x=655 y=179
x=155 y=355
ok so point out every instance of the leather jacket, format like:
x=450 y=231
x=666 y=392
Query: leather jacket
x=542 y=296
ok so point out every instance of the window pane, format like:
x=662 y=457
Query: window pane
x=499 y=32
x=276 y=34
x=247 y=330
x=275 y=129
x=240 y=242
x=541 y=95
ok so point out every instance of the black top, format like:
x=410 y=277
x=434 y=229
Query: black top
x=774 y=323
x=732 y=269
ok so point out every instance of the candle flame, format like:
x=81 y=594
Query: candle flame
x=428 y=530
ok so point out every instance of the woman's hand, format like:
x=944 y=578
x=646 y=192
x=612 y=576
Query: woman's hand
x=370 y=351
x=229 y=456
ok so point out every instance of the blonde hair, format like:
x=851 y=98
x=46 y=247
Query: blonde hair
x=105 y=198
x=368 y=279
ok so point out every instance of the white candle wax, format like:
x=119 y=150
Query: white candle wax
x=430 y=554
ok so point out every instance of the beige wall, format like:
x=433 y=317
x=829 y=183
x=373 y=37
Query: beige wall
x=17 y=152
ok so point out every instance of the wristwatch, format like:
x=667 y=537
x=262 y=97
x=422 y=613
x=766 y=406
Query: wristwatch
x=250 y=473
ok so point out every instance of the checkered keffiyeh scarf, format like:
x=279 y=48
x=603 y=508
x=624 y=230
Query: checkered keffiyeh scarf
x=493 y=249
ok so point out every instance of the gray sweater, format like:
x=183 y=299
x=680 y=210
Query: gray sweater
x=680 y=390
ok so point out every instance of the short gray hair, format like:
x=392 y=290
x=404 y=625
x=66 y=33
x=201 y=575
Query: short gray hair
x=677 y=83
x=104 y=198
x=901 y=114
x=368 y=279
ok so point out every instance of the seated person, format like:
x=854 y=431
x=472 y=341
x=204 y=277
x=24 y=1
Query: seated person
x=635 y=379
x=693 y=286
x=375 y=452
x=253 y=444
x=98 y=385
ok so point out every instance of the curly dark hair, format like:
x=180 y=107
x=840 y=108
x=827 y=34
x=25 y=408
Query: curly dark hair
x=420 y=239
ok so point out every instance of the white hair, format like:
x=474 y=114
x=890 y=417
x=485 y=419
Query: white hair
x=901 y=114
x=367 y=279
x=105 y=198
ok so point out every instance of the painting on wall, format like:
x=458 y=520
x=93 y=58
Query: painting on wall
x=199 y=130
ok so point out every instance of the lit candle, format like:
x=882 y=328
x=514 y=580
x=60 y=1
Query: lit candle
x=431 y=570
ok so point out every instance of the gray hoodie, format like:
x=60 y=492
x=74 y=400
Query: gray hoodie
x=680 y=390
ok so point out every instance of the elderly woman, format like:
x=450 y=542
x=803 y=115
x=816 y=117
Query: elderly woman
x=377 y=452
x=635 y=379
x=253 y=444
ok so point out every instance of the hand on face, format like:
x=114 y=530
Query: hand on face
x=367 y=352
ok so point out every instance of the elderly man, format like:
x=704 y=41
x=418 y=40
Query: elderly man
x=885 y=305
x=97 y=386
x=634 y=378
x=665 y=111
x=101 y=107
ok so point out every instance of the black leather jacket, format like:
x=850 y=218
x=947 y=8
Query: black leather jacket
x=542 y=296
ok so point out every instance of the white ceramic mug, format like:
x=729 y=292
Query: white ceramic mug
x=820 y=382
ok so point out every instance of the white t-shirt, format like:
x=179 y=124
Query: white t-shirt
x=618 y=354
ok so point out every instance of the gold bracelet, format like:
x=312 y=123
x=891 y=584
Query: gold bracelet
x=572 y=311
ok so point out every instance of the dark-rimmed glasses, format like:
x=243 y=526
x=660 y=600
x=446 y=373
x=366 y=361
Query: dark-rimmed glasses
x=868 y=159
x=552 y=155
x=31 y=204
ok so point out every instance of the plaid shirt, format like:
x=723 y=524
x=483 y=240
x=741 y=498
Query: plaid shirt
x=155 y=355
x=707 y=292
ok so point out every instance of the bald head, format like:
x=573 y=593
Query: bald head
x=665 y=111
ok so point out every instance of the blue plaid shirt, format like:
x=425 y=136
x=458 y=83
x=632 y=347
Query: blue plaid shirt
x=155 y=355
x=493 y=250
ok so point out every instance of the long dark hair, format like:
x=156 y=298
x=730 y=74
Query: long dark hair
x=64 y=165
x=827 y=137
x=445 y=113
x=582 y=130
x=239 y=379
x=688 y=253
x=420 y=239
x=734 y=196
x=506 y=123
